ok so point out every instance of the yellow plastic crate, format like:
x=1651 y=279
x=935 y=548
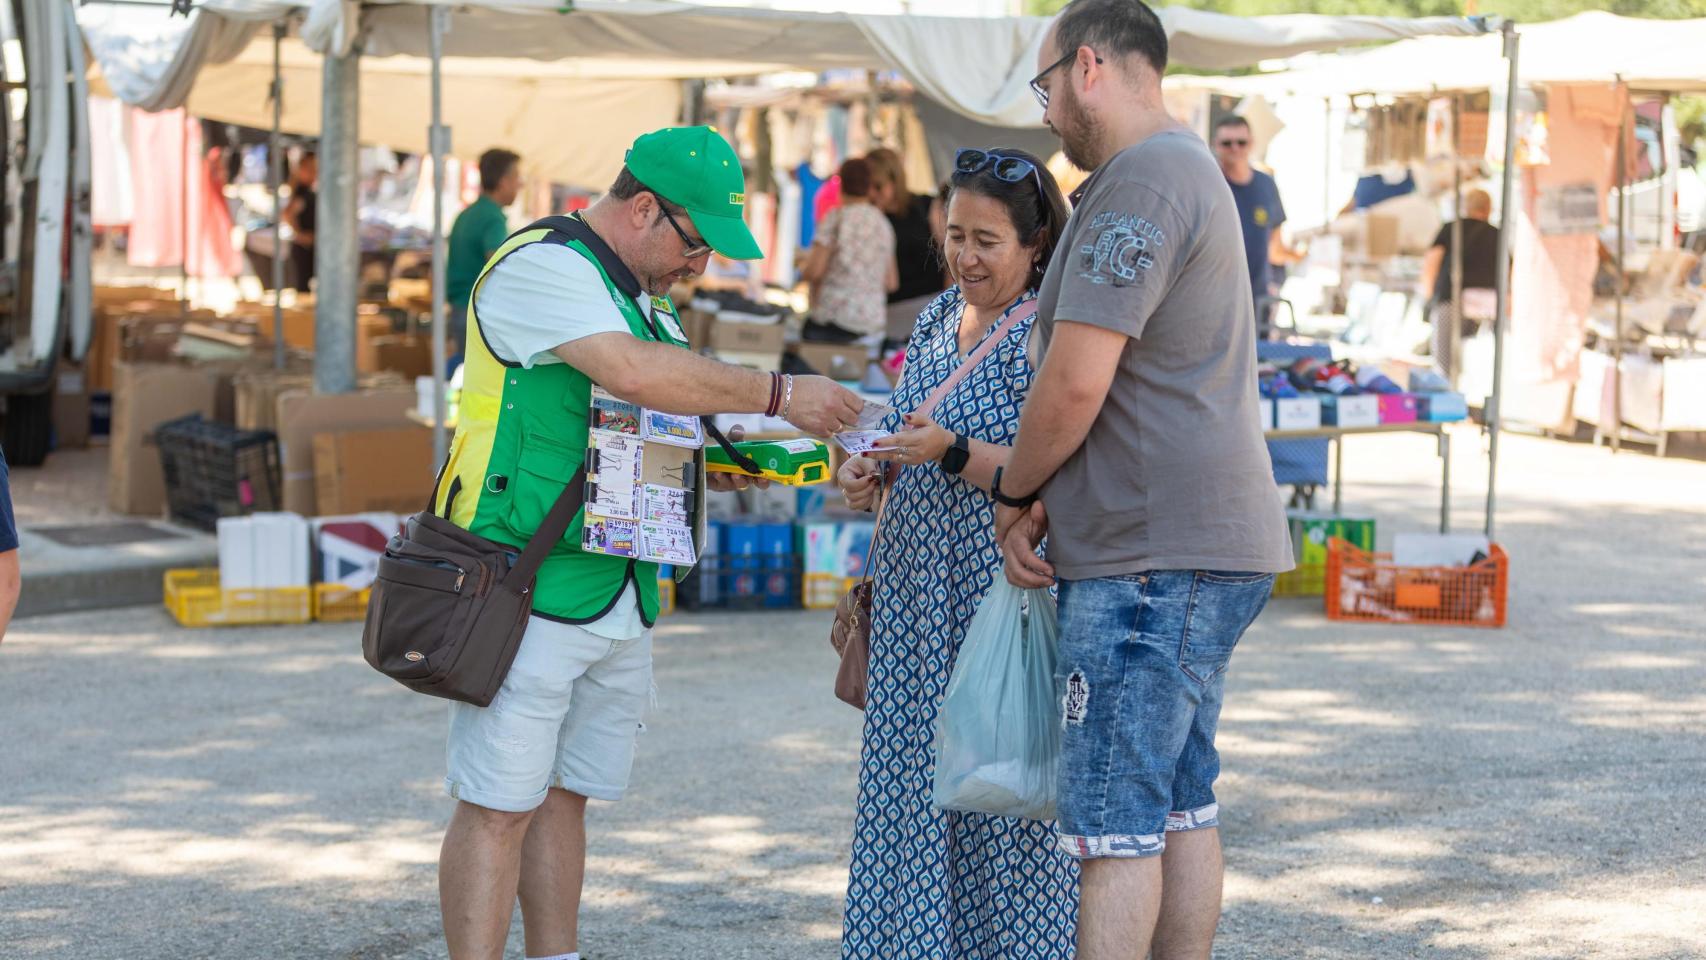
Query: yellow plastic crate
x=194 y=598
x=336 y=603
x=1307 y=580
x=666 y=595
x=822 y=591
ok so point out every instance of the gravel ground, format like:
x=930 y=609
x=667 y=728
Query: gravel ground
x=1389 y=792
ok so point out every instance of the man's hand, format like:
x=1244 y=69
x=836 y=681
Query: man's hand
x=820 y=406
x=1020 y=531
x=860 y=478
x=726 y=482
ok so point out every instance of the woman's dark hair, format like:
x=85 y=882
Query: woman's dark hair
x=855 y=178
x=1034 y=205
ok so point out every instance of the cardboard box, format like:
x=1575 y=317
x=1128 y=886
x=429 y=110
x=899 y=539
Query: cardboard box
x=838 y=549
x=256 y=396
x=1358 y=411
x=301 y=415
x=71 y=408
x=406 y=354
x=1382 y=238
x=1441 y=407
x=837 y=361
x=762 y=338
x=697 y=322
x=370 y=325
x=358 y=471
x=766 y=362
x=1397 y=408
x=145 y=396
x=1297 y=413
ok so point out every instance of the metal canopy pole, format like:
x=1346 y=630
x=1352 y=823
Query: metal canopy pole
x=275 y=178
x=1622 y=226
x=337 y=254
x=1507 y=225
x=438 y=138
x=1327 y=166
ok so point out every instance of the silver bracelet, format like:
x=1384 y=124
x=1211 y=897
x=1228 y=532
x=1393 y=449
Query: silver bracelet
x=787 y=393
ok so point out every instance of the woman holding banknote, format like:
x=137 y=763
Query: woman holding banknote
x=926 y=883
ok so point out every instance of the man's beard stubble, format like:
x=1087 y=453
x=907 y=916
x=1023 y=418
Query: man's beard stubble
x=1078 y=131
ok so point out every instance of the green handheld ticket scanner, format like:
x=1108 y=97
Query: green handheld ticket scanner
x=797 y=463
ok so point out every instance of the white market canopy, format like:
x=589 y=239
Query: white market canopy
x=1591 y=47
x=976 y=66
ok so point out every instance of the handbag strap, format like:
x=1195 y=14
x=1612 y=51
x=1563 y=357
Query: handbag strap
x=1017 y=315
x=551 y=529
x=877 y=529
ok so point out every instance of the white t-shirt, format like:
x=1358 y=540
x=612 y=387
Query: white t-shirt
x=539 y=298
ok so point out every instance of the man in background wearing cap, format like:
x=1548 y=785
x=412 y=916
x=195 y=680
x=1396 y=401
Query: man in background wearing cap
x=562 y=305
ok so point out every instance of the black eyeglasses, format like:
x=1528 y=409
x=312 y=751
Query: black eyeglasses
x=695 y=248
x=1001 y=166
x=1037 y=81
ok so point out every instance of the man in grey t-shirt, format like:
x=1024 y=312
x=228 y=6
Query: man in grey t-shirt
x=1143 y=439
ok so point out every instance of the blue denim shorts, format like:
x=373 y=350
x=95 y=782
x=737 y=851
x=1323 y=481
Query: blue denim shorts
x=1142 y=668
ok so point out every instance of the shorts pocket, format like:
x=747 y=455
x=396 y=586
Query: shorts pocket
x=1222 y=607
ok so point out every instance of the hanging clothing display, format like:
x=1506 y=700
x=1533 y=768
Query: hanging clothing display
x=112 y=198
x=178 y=189
x=1552 y=275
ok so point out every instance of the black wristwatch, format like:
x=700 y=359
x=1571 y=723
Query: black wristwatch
x=1005 y=500
x=955 y=458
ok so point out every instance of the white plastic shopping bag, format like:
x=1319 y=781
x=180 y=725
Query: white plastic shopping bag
x=998 y=733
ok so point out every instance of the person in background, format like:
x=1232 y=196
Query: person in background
x=480 y=229
x=918 y=259
x=1480 y=278
x=920 y=874
x=1260 y=213
x=299 y=215
x=9 y=576
x=850 y=267
x=1141 y=436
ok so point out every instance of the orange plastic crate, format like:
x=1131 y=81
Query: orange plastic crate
x=1368 y=587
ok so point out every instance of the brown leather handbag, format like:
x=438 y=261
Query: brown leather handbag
x=851 y=633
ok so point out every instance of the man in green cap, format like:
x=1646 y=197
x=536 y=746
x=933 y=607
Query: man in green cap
x=562 y=306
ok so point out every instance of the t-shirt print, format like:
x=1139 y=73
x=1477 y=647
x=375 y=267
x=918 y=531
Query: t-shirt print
x=1119 y=249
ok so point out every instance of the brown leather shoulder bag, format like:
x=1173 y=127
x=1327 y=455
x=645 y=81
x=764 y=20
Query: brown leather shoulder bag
x=449 y=607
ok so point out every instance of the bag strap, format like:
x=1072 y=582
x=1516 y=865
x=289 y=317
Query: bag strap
x=1017 y=315
x=877 y=529
x=739 y=459
x=551 y=529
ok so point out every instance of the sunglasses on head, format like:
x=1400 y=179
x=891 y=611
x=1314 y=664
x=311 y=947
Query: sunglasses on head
x=1004 y=168
x=1235 y=143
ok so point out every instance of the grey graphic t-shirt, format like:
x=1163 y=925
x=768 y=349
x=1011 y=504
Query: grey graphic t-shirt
x=1174 y=474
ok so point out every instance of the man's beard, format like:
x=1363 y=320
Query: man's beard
x=1078 y=131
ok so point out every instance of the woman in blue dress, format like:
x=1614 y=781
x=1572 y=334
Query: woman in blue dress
x=927 y=884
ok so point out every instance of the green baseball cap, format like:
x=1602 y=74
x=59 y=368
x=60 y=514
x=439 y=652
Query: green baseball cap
x=695 y=168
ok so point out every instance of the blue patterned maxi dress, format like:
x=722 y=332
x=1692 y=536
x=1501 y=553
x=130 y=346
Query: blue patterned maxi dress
x=928 y=884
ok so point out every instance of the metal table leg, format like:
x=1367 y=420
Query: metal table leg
x=1445 y=481
x=1338 y=475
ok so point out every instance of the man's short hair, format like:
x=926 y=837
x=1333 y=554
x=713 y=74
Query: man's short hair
x=628 y=186
x=1230 y=120
x=494 y=166
x=1113 y=27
